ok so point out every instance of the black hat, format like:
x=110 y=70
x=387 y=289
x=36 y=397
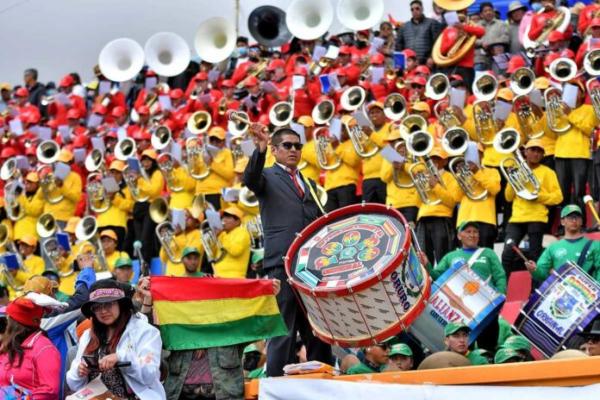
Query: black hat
x=106 y=291
x=592 y=329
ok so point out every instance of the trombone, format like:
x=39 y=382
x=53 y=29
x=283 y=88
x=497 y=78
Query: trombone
x=87 y=230
x=165 y=231
x=515 y=168
x=420 y=144
x=327 y=158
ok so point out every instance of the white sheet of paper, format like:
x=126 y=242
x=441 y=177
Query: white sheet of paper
x=178 y=218
x=335 y=128
x=63 y=99
x=268 y=87
x=79 y=155
x=165 y=102
x=205 y=98
x=569 y=95
x=150 y=82
x=98 y=143
x=61 y=170
x=362 y=118
x=104 y=87
x=451 y=18
x=94 y=120
x=298 y=82
x=90 y=391
x=377 y=74
x=16 y=126
x=535 y=96
x=110 y=185
x=121 y=133
x=472 y=153
x=44 y=133
x=332 y=52
x=376 y=44
x=502 y=60
x=299 y=129
x=22 y=162
x=391 y=155
x=458 y=97
x=213 y=75
x=176 y=151
x=248 y=147
x=318 y=52
x=213 y=150
x=334 y=82
x=65 y=133
x=214 y=219
x=502 y=110
x=231 y=195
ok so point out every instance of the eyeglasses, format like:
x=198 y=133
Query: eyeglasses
x=289 y=145
x=102 y=306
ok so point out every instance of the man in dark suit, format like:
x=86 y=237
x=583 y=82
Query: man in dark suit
x=287 y=203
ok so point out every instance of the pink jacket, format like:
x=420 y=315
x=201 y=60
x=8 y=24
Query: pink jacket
x=40 y=370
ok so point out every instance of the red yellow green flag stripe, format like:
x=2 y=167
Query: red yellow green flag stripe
x=196 y=313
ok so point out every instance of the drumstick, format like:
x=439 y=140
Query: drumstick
x=516 y=249
x=589 y=201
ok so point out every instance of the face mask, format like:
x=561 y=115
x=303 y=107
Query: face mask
x=536 y=7
x=242 y=52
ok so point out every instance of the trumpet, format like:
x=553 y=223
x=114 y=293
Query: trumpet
x=395 y=106
x=361 y=142
x=556 y=111
x=212 y=247
x=166 y=165
x=87 y=230
x=255 y=70
x=515 y=168
x=420 y=144
x=8 y=244
x=316 y=67
x=98 y=201
x=255 y=229
x=326 y=157
x=199 y=122
x=248 y=198
x=323 y=111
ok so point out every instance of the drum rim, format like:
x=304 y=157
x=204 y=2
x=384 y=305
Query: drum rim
x=370 y=208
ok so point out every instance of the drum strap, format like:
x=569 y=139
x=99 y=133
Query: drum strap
x=474 y=257
x=583 y=254
x=311 y=190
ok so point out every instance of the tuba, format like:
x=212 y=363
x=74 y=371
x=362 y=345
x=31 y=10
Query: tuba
x=559 y=23
x=463 y=44
x=214 y=40
x=455 y=141
x=47 y=153
x=166 y=165
x=124 y=150
x=353 y=98
x=323 y=111
x=591 y=64
x=121 y=60
x=98 y=201
x=248 y=198
x=394 y=107
x=281 y=113
x=485 y=89
x=556 y=111
x=212 y=247
x=363 y=145
x=562 y=69
x=199 y=122
x=255 y=229
x=515 y=168
x=87 y=230
x=309 y=19
x=357 y=15
x=326 y=157
x=267 y=25
x=420 y=144
x=167 y=54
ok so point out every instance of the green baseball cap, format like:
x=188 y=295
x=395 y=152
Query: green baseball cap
x=401 y=349
x=251 y=348
x=190 y=250
x=479 y=357
x=465 y=224
x=504 y=355
x=570 y=209
x=257 y=255
x=454 y=327
x=517 y=342
x=123 y=262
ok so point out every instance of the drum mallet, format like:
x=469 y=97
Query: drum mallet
x=516 y=249
x=589 y=202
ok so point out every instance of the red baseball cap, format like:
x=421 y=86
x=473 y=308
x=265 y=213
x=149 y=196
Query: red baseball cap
x=377 y=58
x=422 y=69
x=25 y=312
x=276 y=63
x=419 y=80
x=341 y=72
x=176 y=94
x=595 y=22
x=52 y=124
x=8 y=152
x=99 y=109
x=409 y=53
x=73 y=113
x=66 y=81
x=515 y=63
x=31 y=151
x=22 y=92
x=301 y=70
x=227 y=83
x=143 y=110
x=555 y=36
x=345 y=50
x=251 y=81
x=201 y=76
x=80 y=141
x=141 y=134
x=118 y=111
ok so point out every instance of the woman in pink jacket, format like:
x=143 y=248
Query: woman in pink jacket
x=27 y=357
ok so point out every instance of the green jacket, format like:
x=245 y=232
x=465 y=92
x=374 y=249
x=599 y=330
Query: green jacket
x=487 y=264
x=362 y=368
x=559 y=252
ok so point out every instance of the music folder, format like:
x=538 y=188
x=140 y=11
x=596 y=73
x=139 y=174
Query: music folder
x=63 y=241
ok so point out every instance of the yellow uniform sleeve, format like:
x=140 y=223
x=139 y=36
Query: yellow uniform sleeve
x=237 y=254
x=153 y=186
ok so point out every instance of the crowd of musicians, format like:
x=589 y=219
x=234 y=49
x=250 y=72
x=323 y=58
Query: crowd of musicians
x=477 y=130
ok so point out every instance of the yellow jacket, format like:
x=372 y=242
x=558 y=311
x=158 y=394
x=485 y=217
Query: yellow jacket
x=183 y=198
x=32 y=265
x=121 y=206
x=347 y=173
x=152 y=187
x=372 y=165
x=237 y=253
x=536 y=210
x=576 y=143
x=67 y=283
x=446 y=207
x=33 y=207
x=398 y=197
x=221 y=174
x=549 y=138
x=71 y=190
x=183 y=240
x=491 y=158
x=309 y=155
x=112 y=259
x=480 y=210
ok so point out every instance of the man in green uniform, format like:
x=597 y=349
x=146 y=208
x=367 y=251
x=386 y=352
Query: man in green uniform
x=376 y=358
x=457 y=340
x=400 y=358
x=574 y=247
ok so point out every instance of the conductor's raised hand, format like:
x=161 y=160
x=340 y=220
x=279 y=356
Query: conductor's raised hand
x=260 y=134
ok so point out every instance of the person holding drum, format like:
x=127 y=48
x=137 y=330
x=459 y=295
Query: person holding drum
x=288 y=203
x=574 y=247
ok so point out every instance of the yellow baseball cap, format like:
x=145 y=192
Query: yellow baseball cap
x=29 y=240
x=117 y=165
x=40 y=284
x=110 y=234
x=393 y=134
x=535 y=143
x=218 y=132
x=32 y=177
x=65 y=156
x=439 y=152
x=86 y=248
x=377 y=104
x=421 y=106
x=72 y=224
x=505 y=94
x=236 y=212
x=150 y=153
x=5 y=86
x=541 y=83
x=306 y=121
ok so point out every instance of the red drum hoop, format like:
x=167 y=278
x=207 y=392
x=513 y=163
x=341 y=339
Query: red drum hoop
x=358 y=275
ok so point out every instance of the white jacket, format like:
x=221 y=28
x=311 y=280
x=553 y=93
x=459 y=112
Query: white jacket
x=141 y=345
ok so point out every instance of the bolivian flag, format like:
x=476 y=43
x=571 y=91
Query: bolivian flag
x=196 y=313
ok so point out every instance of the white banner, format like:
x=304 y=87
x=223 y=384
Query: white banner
x=324 y=389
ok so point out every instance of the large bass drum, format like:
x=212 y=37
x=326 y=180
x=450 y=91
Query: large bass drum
x=358 y=275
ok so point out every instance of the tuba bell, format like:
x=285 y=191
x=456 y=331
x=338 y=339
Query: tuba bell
x=267 y=25
x=87 y=231
x=47 y=152
x=326 y=157
x=166 y=165
x=437 y=86
x=167 y=54
x=161 y=137
x=199 y=122
x=125 y=149
x=248 y=198
x=562 y=69
x=353 y=98
x=95 y=161
x=455 y=141
x=9 y=170
x=121 y=59
x=214 y=40
x=420 y=144
x=281 y=114
x=98 y=200
x=323 y=111
x=515 y=168
x=360 y=14
x=394 y=106
x=212 y=247
x=522 y=81
x=361 y=142
x=309 y=19
x=485 y=87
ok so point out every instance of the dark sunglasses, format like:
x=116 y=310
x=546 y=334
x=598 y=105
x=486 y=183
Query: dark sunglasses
x=289 y=145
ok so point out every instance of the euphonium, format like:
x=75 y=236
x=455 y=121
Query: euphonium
x=161 y=137
x=8 y=244
x=199 y=122
x=165 y=232
x=323 y=111
x=485 y=89
x=326 y=156
x=437 y=86
x=248 y=198
x=455 y=141
x=125 y=149
x=395 y=106
x=420 y=144
x=528 y=120
x=411 y=124
x=281 y=113
x=195 y=151
x=556 y=111
x=522 y=81
x=563 y=69
x=51 y=248
x=236 y=149
x=12 y=190
x=95 y=161
x=87 y=231
x=255 y=229
x=98 y=200
x=46 y=225
x=212 y=247
x=47 y=153
x=166 y=165
x=591 y=64
x=361 y=142
x=515 y=168
x=131 y=180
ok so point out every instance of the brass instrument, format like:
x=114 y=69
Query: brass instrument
x=87 y=230
x=394 y=106
x=255 y=70
x=46 y=226
x=199 y=122
x=12 y=191
x=455 y=143
x=195 y=151
x=485 y=89
x=165 y=231
x=222 y=106
x=166 y=165
x=326 y=157
x=95 y=162
x=563 y=69
x=522 y=81
x=437 y=86
x=239 y=122
x=236 y=149
x=464 y=43
x=51 y=248
x=7 y=279
x=255 y=229
x=420 y=144
x=9 y=170
x=248 y=198
x=281 y=113
x=556 y=111
x=322 y=112
x=559 y=23
x=316 y=67
x=515 y=168
x=353 y=98
x=411 y=124
x=47 y=153
x=125 y=149
x=591 y=64
x=212 y=247
x=361 y=142
x=98 y=200
x=8 y=244
x=396 y=175
x=161 y=137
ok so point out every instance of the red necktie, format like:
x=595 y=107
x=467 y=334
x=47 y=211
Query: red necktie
x=298 y=187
